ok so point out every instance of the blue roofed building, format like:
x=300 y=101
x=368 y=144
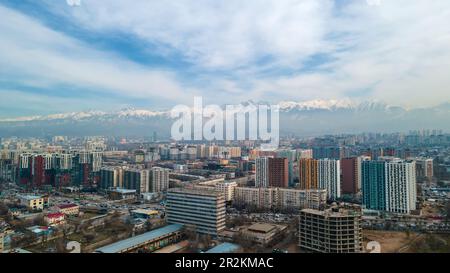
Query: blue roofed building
x=147 y=242
x=224 y=248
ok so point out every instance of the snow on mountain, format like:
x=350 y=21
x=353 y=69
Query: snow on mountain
x=318 y=105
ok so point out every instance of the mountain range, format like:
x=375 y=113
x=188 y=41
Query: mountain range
x=307 y=118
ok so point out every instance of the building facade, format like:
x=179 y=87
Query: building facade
x=330 y=231
x=203 y=210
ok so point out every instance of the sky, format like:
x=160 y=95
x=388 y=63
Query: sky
x=108 y=55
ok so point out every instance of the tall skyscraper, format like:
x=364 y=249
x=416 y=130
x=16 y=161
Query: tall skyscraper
x=203 y=210
x=389 y=185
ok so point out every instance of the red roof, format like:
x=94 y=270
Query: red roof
x=55 y=215
x=66 y=206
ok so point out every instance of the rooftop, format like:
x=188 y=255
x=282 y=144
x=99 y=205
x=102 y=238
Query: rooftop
x=204 y=192
x=30 y=197
x=66 y=206
x=145 y=211
x=224 y=248
x=123 y=191
x=262 y=228
x=55 y=215
x=140 y=239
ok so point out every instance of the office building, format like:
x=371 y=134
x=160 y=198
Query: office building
x=202 y=210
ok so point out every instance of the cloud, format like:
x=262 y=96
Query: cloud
x=397 y=52
x=218 y=34
x=42 y=57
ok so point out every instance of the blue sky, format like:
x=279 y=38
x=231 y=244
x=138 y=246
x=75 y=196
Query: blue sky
x=106 y=55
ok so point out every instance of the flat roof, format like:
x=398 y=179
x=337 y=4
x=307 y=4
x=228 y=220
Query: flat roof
x=123 y=191
x=66 y=206
x=30 y=197
x=224 y=248
x=260 y=227
x=140 y=239
x=145 y=211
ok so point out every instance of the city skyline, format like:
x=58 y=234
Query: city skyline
x=112 y=54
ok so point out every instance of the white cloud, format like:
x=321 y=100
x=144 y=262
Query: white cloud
x=45 y=58
x=398 y=51
x=217 y=34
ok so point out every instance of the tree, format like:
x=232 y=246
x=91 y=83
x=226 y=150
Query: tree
x=447 y=210
x=3 y=209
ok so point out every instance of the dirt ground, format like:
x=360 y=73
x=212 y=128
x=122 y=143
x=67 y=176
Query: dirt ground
x=390 y=241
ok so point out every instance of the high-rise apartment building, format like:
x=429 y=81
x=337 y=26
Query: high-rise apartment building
x=111 y=177
x=351 y=175
x=308 y=174
x=203 y=210
x=329 y=177
x=136 y=179
x=424 y=168
x=321 y=174
x=278 y=172
x=330 y=231
x=159 y=181
x=279 y=198
x=227 y=188
x=389 y=185
x=272 y=172
x=262 y=172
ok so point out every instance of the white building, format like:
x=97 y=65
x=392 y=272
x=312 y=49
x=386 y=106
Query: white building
x=227 y=188
x=159 y=179
x=329 y=177
x=401 y=192
x=262 y=175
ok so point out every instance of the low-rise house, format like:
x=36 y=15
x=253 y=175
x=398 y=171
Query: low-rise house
x=54 y=219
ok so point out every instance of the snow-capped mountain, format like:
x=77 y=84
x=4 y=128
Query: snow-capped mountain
x=300 y=118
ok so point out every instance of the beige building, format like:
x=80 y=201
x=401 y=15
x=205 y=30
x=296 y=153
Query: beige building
x=32 y=202
x=227 y=188
x=270 y=198
x=69 y=209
